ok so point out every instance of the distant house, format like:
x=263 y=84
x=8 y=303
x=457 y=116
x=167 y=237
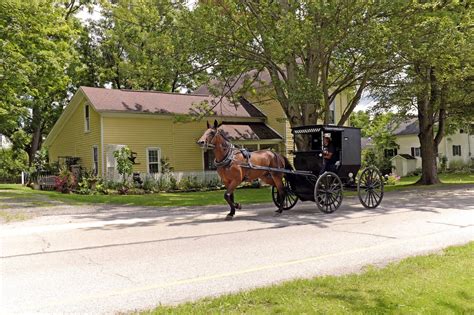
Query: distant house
x=456 y=147
x=5 y=143
x=99 y=121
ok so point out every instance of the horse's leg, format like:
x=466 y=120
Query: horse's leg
x=236 y=204
x=277 y=179
x=228 y=196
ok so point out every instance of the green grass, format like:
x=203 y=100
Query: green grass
x=9 y=217
x=446 y=180
x=434 y=284
x=245 y=196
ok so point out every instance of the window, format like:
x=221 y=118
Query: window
x=456 y=150
x=209 y=160
x=415 y=151
x=388 y=153
x=153 y=158
x=86 y=118
x=95 y=160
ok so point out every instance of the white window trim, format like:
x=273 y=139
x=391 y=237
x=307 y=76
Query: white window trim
x=93 y=162
x=148 y=159
x=87 y=122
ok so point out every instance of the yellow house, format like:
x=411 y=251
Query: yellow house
x=99 y=121
x=264 y=98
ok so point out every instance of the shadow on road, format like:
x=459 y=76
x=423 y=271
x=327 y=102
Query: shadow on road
x=303 y=213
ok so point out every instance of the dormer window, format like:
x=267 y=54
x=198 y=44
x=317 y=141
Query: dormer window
x=87 y=117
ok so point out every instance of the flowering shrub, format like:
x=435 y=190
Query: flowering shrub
x=65 y=182
x=391 y=179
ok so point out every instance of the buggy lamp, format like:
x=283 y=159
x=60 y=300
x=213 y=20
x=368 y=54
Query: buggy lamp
x=351 y=175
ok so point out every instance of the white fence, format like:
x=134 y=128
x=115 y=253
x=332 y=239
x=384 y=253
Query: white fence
x=200 y=176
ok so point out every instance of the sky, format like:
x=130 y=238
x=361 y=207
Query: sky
x=365 y=103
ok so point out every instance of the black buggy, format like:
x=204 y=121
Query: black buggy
x=306 y=183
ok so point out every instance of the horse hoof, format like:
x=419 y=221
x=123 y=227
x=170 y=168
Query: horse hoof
x=229 y=217
x=238 y=206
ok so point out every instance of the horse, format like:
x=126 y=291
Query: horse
x=235 y=166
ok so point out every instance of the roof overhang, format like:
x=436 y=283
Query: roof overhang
x=248 y=131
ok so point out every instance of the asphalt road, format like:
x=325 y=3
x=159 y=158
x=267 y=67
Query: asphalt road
x=109 y=259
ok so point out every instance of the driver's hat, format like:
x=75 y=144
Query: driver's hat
x=327 y=135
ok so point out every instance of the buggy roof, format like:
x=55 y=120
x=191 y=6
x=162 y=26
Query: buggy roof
x=319 y=128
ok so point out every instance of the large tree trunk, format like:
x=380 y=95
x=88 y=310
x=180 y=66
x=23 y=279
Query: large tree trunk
x=429 y=172
x=36 y=136
x=429 y=150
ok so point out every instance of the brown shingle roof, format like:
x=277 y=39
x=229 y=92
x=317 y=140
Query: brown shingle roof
x=249 y=131
x=110 y=100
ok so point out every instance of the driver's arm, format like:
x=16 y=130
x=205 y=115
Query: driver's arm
x=327 y=155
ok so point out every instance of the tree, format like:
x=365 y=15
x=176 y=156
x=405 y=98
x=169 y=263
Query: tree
x=436 y=77
x=36 y=50
x=311 y=50
x=141 y=47
x=124 y=163
x=379 y=128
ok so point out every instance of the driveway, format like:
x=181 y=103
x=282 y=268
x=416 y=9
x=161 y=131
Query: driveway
x=104 y=259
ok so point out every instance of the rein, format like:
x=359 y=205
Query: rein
x=229 y=156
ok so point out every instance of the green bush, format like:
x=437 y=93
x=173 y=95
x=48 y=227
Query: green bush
x=149 y=184
x=460 y=167
x=416 y=172
x=12 y=163
x=189 y=183
x=391 y=179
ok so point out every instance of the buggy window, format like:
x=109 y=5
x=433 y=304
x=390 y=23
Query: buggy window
x=316 y=143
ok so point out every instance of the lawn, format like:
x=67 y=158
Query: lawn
x=244 y=195
x=435 y=284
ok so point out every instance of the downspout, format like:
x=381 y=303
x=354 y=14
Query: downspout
x=102 y=145
x=469 y=144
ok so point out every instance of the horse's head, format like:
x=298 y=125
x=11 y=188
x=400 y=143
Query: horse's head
x=210 y=137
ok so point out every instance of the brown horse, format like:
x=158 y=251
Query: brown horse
x=231 y=166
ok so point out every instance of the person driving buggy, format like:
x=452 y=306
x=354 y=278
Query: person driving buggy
x=329 y=155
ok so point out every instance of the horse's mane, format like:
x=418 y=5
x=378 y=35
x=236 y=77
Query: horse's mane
x=220 y=131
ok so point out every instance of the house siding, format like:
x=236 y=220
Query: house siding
x=177 y=141
x=445 y=147
x=72 y=140
x=276 y=117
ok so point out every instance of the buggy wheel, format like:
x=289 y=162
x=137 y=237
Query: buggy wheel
x=328 y=192
x=370 y=187
x=290 y=198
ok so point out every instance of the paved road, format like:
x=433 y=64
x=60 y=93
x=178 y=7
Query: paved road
x=113 y=259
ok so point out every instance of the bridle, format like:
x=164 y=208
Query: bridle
x=228 y=156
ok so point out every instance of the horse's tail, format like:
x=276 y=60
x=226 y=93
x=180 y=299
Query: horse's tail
x=288 y=165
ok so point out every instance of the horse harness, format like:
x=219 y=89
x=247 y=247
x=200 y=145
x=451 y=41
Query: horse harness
x=230 y=157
